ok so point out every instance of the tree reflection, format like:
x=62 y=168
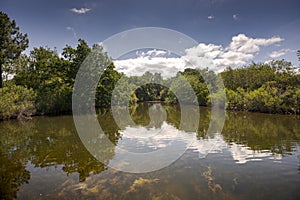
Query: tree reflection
x=51 y=141
x=277 y=133
x=13 y=159
x=45 y=142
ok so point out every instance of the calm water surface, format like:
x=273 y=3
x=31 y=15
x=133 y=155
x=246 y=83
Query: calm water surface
x=256 y=156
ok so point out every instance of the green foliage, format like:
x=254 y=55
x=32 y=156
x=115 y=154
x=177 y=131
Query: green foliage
x=260 y=132
x=12 y=42
x=235 y=99
x=179 y=91
x=124 y=92
x=54 y=97
x=272 y=87
x=16 y=102
x=264 y=99
x=151 y=89
x=75 y=58
x=248 y=78
x=275 y=91
x=106 y=86
x=296 y=101
x=200 y=88
x=52 y=77
x=36 y=70
x=44 y=72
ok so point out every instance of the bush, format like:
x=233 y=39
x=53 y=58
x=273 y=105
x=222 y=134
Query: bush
x=55 y=97
x=16 y=102
x=236 y=100
x=265 y=99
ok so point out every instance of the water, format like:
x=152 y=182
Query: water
x=256 y=156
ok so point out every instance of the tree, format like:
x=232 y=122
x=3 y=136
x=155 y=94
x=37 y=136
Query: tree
x=16 y=102
x=44 y=72
x=34 y=71
x=75 y=58
x=106 y=86
x=12 y=42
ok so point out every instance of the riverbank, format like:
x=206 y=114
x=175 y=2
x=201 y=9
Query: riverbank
x=99 y=110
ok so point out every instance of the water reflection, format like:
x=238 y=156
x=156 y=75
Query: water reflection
x=142 y=148
x=48 y=149
x=41 y=143
x=247 y=136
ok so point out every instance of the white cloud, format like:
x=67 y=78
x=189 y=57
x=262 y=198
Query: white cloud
x=210 y=17
x=235 y=17
x=242 y=43
x=282 y=52
x=152 y=53
x=216 y=57
x=168 y=67
x=80 y=11
x=240 y=50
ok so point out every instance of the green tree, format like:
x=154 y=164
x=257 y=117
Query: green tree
x=271 y=87
x=265 y=99
x=44 y=72
x=106 y=86
x=203 y=82
x=249 y=78
x=75 y=58
x=33 y=72
x=12 y=42
x=151 y=89
x=16 y=102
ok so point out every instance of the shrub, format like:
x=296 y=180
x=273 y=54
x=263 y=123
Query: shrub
x=55 y=97
x=16 y=102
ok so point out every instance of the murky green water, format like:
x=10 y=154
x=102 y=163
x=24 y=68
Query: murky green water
x=257 y=156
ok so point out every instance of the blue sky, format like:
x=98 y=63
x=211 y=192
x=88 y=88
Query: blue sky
x=59 y=22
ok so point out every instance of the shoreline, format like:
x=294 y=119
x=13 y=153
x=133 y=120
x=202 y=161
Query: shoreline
x=67 y=113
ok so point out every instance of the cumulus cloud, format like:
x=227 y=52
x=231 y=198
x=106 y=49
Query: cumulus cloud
x=168 y=67
x=210 y=17
x=242 y=43
x=282 y=52
x=240 y=50
x=80 y=10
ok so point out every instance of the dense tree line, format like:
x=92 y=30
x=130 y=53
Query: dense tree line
x=42 y=82
x=271 y=88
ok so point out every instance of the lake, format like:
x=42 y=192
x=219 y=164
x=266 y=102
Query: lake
x=256 y=156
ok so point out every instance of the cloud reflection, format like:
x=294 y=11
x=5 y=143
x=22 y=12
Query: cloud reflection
x=141 y=139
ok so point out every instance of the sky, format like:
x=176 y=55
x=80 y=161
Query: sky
x=229 y=32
